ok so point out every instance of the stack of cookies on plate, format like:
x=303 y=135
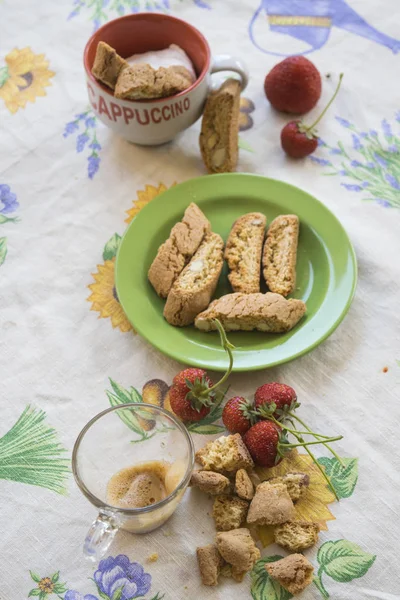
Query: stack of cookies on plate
x=241 y=503
x=188 y=265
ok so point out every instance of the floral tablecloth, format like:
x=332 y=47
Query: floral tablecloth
x=68 y=187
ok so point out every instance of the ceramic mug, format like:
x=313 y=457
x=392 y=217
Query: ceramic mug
x=152 y=122
x=122 y=437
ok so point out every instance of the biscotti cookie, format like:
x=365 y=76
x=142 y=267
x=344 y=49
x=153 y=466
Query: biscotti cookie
x=176 y=252
x=219 y=137
x=107 y=65
x=194 y=287
x=210 y=482
x=271 y=505
x=280 y=254
x=210 y=563
x=243 y=485
x=243 y=252
x=296 y=536
x=140 y=82
x=270 y=313
x=296 y=484
x=294 y=572
x=229 y=512
x=226 y=454
x=237 y=548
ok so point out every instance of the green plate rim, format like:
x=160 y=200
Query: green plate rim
x=257 y=367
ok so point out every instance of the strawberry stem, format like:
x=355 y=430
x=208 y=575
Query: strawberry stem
x=228 y=347
x=304 y=444
x=325 y=476
x=325 y=444
x=327 y=106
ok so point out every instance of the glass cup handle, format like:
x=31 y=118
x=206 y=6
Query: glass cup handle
x=100 y=536
x=225 y=62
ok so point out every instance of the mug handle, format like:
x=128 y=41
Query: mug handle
x=225 y=62
x=100 y=536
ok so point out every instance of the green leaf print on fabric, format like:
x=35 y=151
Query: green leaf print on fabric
x=263 y=587
x=3 y=249
x=343 y=561
x=110 y=249
x=30 y=453
x=343 y=480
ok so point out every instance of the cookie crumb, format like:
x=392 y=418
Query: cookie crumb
x=385 y=369
x=153 y=557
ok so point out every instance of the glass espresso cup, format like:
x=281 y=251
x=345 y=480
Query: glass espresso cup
x=123 y=437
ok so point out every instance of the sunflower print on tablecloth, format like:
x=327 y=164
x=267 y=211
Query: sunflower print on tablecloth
x=104 y=297
x=23 y=78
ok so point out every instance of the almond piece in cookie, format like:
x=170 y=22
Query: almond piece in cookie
x=280 y=254
x=296 y=483
x=226 y=454
x=210 y=563
x=210 y=482
x=270 y=313
x=194 y=287
x=271 y=505
x=243 y=485
x=176 y=252
x=294 y=573
x=107 y=65
x=296 y=536
x=219 y=137
x=229 y=512
x=243 y=252
x=237 y=548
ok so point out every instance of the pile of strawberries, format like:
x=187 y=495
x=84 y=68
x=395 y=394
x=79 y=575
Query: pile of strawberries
x=294 y=86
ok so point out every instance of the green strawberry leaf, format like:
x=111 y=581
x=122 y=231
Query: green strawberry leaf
x=263 y=587
x=3 y=249
x=110 y=249
x=343 y=560
x=34 y=592
x=205 y=429
x=35 y=576
x=344 y=480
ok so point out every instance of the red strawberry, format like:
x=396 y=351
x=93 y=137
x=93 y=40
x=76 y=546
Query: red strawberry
x=236 y=415
x=262 y=442
x=297 y=143
x=299 y=140
x=186 y=388
x=281 y=394
x=293 y=85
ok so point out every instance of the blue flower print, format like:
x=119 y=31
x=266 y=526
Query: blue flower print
x=357 y=145
x=8 y=200
x=352 y=187
x=321 y=161
x=393 y=181
x=73 y=595
x=86 y=139
x=120 y=574
x=380 y=160
x=343 y=122
x=387 y=130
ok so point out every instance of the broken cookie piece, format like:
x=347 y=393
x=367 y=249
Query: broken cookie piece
x=294 y=573
x=107 y=65
x=280 y=254
x=229 y=512
x=296 y=536
x=210 y=482
x=226 y=454
x=237 y=548
x=210 y=564
x=142 y=82
x=296 y=483
x=271 y=505
x=243 y=485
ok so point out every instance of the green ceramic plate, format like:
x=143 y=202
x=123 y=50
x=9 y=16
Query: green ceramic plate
x=326 y=270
